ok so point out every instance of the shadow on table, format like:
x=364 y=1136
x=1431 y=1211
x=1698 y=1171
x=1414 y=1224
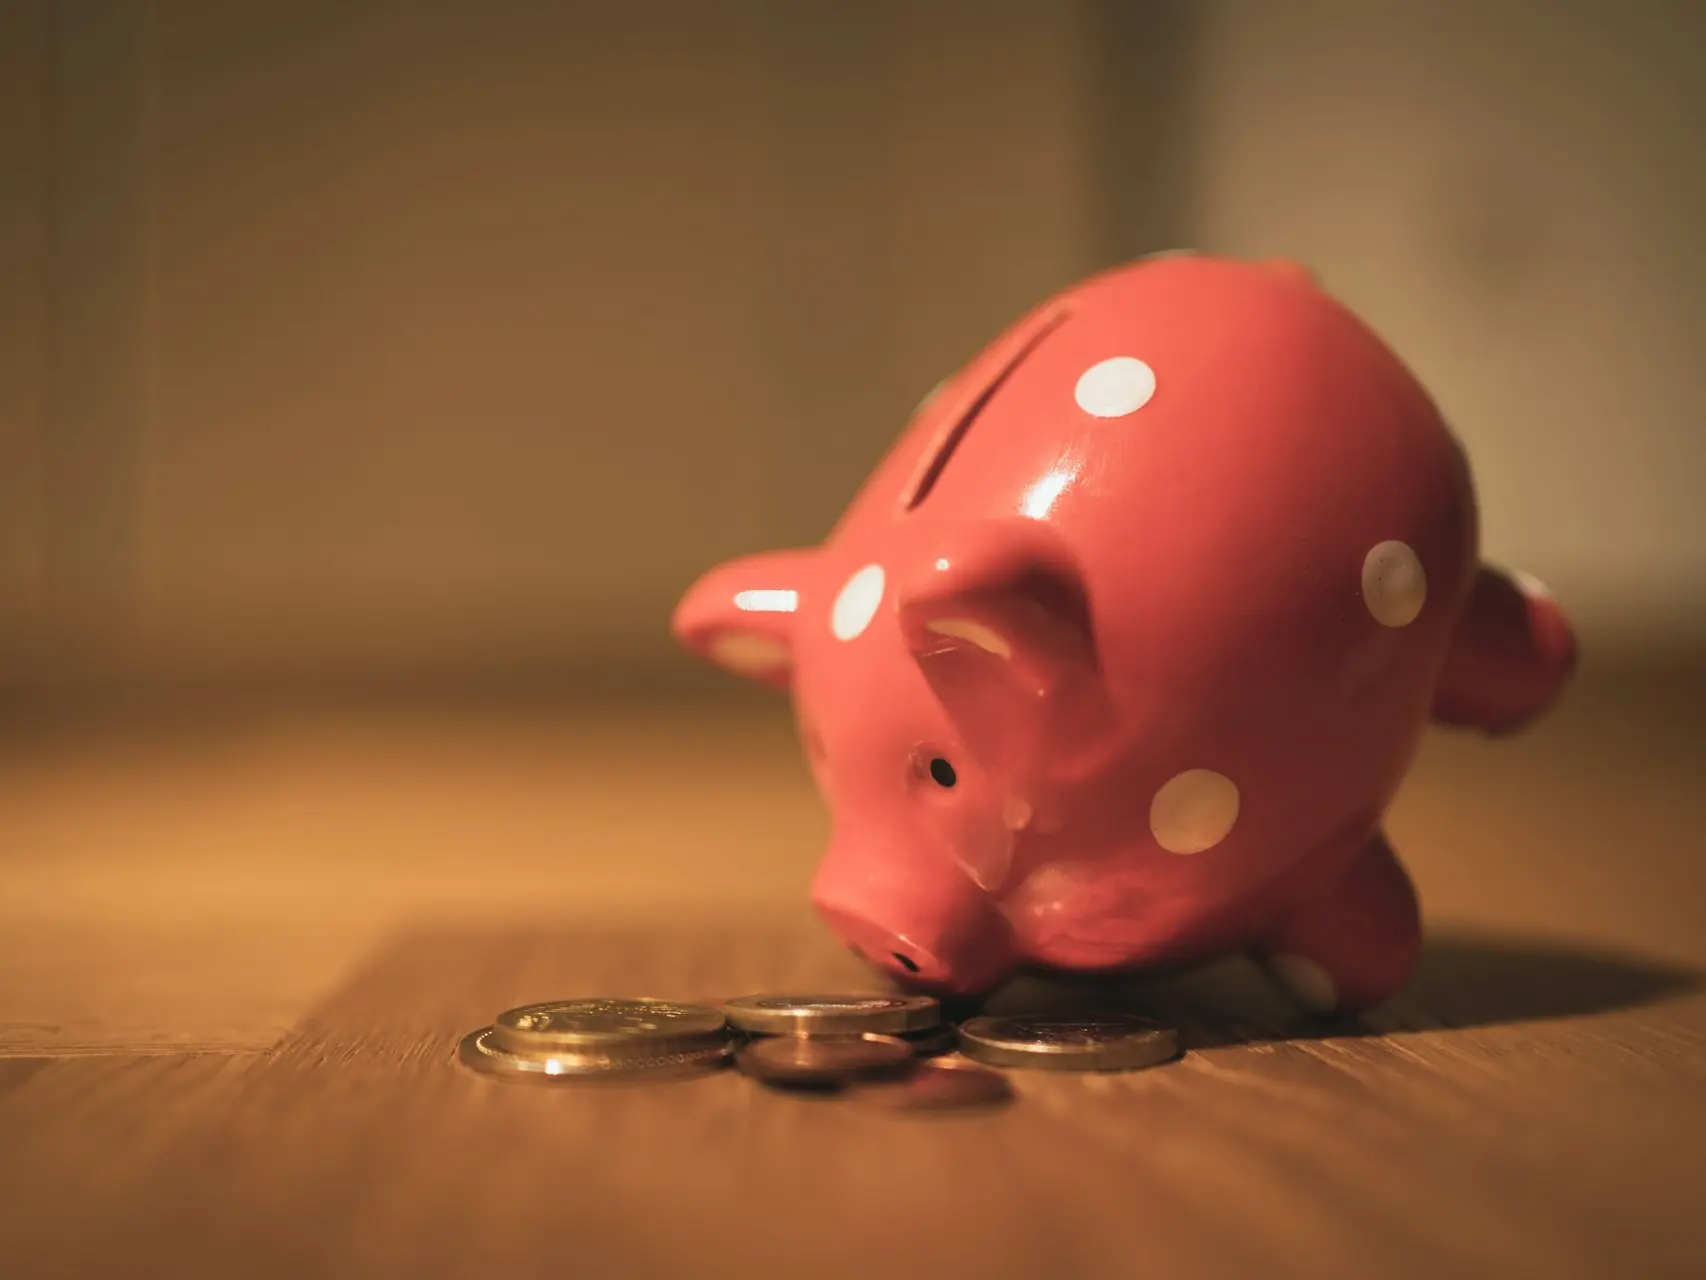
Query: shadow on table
x=1465 y=979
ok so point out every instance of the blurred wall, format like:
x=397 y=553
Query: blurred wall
x=421 y=338
x=438 y=340
x=1514 y=193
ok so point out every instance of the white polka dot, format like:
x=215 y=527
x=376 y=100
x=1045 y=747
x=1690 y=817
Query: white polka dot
x=1306 y=981
x=1531 y=586
x=1115 y=387
x=1394 y=587
x=748 y=653
x=1193 y=811
x=985 y=638
x=856 y=603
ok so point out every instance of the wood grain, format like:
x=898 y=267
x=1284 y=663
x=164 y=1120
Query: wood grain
x=1533 y=1105
x=1546 y=1146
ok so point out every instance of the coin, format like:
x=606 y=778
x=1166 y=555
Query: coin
x=822 y=1060
x=635 y=1029
x=1069 y=1042
x=950 y=1084
x=832 y=1014
x=480 y=1052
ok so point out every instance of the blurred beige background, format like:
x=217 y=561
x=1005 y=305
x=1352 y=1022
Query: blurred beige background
x=446 y=342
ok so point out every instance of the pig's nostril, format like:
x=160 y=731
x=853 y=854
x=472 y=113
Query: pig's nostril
x=906 y=962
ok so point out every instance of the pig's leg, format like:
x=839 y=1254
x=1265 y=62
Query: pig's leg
x=1352 y=946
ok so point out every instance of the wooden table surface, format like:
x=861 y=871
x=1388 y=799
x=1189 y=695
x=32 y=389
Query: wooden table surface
x=236 y=954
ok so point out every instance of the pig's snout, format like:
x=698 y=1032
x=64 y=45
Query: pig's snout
x=928 y=927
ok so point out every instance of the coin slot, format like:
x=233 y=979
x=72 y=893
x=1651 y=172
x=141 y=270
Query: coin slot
x=955 y=433
x=905 y=962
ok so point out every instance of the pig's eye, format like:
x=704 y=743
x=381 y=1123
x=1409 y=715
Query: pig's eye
x=942 y=773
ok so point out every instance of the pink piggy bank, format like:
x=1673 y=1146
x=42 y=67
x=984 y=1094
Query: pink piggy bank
x=1119 y=657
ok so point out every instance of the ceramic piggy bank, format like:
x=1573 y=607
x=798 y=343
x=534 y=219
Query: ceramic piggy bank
x=1119 y=657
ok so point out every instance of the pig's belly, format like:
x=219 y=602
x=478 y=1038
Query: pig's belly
x=1084 y=919
x=1106 y=943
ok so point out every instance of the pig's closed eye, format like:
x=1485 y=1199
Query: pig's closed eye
x=942 y=773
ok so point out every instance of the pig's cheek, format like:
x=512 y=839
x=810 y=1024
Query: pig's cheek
x=1041 y=906
x=1059 y=901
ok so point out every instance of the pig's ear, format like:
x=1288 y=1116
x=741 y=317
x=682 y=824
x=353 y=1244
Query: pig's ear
x=742 y=615
x=998 y=619
x=1291 y=270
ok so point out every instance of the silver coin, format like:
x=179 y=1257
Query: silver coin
x=822 y=1060
x=950 y=1084
x=635 y=1028
x=850 y=1014
x=480 y=1052
x=1069 y=1042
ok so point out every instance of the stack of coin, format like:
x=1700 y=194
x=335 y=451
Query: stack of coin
x=831 y=1041
x=600 y=1037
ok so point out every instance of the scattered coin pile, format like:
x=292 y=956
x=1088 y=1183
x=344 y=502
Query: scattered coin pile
x=883 y=1049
